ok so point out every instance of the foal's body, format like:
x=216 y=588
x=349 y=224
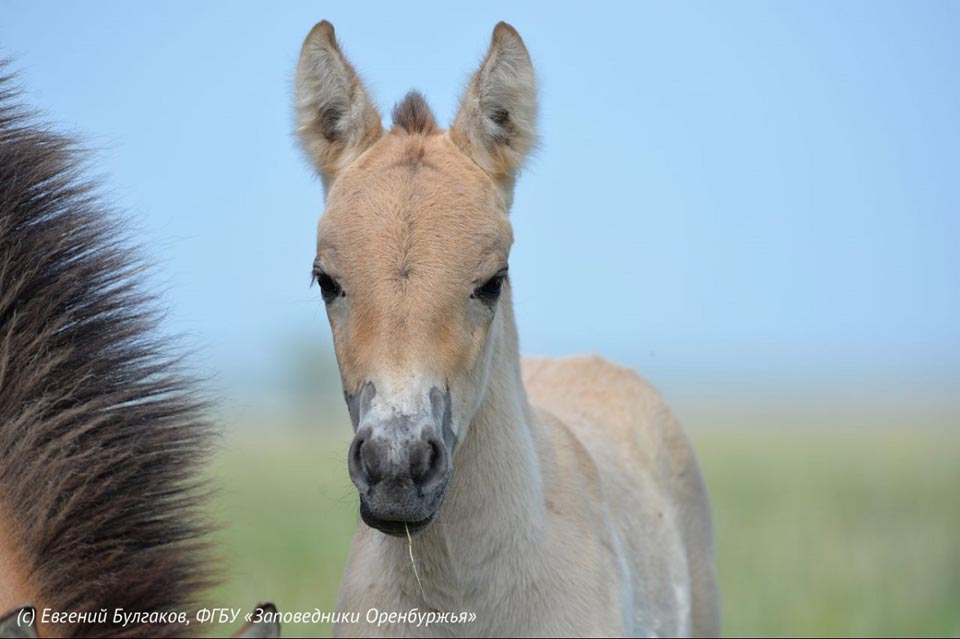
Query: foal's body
x=577 y=511
x=581 y=513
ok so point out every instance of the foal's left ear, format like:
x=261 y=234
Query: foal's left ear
x=496 y=125
x=336 y=119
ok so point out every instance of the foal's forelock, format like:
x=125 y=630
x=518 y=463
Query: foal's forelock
x=413 y=115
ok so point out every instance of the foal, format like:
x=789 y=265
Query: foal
x=552 y=497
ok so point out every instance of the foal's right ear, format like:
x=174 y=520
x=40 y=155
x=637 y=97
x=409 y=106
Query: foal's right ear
x=336 y=121
x=496 y=125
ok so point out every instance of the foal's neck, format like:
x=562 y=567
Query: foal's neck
x=494 y=509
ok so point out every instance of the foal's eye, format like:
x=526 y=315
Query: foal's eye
x=329 y=288
x=489 y=292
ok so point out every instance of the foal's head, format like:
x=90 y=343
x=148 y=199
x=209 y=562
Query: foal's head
x=412 y=261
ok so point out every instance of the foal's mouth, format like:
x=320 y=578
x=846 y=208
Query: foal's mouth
x=393 y=527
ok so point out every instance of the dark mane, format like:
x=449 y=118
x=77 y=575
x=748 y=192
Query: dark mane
x=413 y=115
x=102 y=436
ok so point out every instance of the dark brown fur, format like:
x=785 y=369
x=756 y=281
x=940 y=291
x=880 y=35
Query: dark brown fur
x=413 y=115
x=102 y=435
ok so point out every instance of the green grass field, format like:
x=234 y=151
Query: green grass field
x=818 y=533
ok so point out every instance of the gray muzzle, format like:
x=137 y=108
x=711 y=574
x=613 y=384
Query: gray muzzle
x=400 y=458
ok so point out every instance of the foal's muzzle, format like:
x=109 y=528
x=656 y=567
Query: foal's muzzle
x=400 y=460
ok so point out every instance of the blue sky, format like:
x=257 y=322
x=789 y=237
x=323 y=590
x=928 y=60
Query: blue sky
x=736 y=196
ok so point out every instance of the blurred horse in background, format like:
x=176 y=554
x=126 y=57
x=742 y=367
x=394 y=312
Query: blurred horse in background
x=103 y=437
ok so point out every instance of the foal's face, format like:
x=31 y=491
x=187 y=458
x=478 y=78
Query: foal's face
x=411 y=260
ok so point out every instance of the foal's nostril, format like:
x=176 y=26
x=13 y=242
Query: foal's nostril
x=421 y=456
x=431 y=462
x=375 y=460
x=367 y=461
x=355 y=462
